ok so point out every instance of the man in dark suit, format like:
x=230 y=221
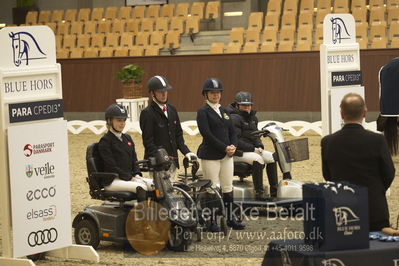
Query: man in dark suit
x=360 y=157
x=160 y=124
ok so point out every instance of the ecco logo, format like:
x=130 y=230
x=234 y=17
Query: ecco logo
x=28 y=150
x=40 y=193
x=42 y=237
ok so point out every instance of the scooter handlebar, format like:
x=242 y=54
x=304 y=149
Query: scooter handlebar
x=263 y=132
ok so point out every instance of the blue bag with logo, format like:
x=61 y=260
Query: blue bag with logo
x=339 y=220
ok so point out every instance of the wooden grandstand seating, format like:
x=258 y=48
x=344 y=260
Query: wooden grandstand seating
x=168 y=11
x=274 y=6
x=212 y=10
x=287 y=34
x=361 y=30
x=76 y=27
x=377 y=16
x=76 y=53
x=363 y=42
x=267 y=47
x=136 y=51
x=112 y=40
x=237 y=35
x=304 y=45
x=269 y=36
x=341 y=6
x=58 y=41
x=197 y=10
x=272 y=20
x=31 y=17
x=90 y=27
x=377 y=30
x=157 y=39
x=305 y=19
x=288 y=20
x=127 y=39
x=106 y=52
x=142 y=39
x=69 y=41
x=153 y=11
x=255 y=21
x=358 y=4
x=161 y=25
x=252 y=36
x=393 y=31
x=97 y=14
x=83 y=41
x=138 y=12
x=62 y=53
x=285 y=46
x=233 y=48
x=84 y=14
x=377 y=5
x=177 y=24
x=192 y=25
x=320 y=16
x=182 y=10
x=395 y=43
x=63 y=28
x=290 y=6
x=57 y=15
x=393 y=16
x=44 y=17
x=125 y=12
x=151 y=50
x=172 y=40
x=304 y=39
x=250 y=47
x=104 y=26
x=307 y=7
x=132 y=25
x=110 y=13
x=147 y=25
x=121 y=51
x=91 y=52
x=378 y=43
x=52 y=25
x=70 y=15
x=97 y=40
x=392 y=4
x=323 y=6
x=318 y=37
x=360 y=15
x=217 y=48
x=118 y=26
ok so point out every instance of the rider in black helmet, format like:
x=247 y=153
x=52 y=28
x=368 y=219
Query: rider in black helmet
x=218 y=145
x=160 y=124
x=245 y=122
x=118 y=155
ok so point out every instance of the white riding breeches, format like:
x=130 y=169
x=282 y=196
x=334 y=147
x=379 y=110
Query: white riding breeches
x=263 y=157
x=121 y=185
x=219 y=172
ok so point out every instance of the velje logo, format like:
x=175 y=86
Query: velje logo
x=45 y=171
x=29 y=170
x=30 y=149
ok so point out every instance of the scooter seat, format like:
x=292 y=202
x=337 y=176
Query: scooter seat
x=242 y=169
x=119 y=195
x=201 y=183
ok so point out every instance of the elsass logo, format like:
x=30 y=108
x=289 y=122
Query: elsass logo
x=46 y=214
x=28 y=150
x=333 y=262
x=38 y=148
x=46 y=171
x=338 y=30
x=343 y=216
x=43 y=193
x=25 y=48
x=29 y=170
x=42 y=237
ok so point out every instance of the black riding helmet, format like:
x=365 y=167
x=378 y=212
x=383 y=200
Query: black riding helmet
x=244 y=98
x=158 y=83
x=212 y=84
x=115 y=111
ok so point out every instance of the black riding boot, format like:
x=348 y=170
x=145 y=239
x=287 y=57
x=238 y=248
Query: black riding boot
x=257 y=179
x=141 y=194
x=212 y=203
x=271 y=171
x=232 y=211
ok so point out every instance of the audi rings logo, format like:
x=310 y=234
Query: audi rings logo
x=42 y=237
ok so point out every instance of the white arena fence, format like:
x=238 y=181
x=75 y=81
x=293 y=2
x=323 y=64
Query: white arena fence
x=295 y=128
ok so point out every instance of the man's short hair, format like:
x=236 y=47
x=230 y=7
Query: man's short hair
x=352 y=106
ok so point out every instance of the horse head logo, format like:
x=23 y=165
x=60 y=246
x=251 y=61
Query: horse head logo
x=344 y=215
x=285 y=258
x=332 y=262
x=23 y=50
x=339 y=30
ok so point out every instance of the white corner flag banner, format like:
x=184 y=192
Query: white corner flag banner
x=34 y=168
x=339 y=68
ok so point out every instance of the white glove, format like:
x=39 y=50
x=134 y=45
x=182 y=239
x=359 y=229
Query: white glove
x=136 y=178
x=258 y=150
x=191 y=156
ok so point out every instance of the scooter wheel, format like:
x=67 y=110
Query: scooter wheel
x=179 y=238
x=86 y=233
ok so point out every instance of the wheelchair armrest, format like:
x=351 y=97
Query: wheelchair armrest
x=103 y=178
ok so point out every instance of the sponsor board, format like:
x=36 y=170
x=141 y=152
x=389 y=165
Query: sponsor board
x=345 y=78
x=32 y=111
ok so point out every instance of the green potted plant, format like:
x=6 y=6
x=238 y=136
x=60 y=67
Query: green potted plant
x=130 y=76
